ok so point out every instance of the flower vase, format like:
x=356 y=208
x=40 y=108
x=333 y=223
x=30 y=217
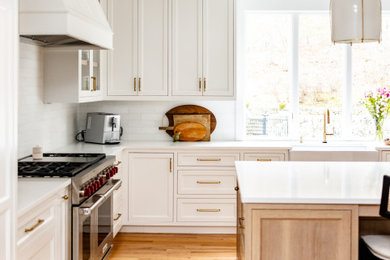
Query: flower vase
x=379 y=129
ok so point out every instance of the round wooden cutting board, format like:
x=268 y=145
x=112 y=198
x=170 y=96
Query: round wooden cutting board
x=190 y=110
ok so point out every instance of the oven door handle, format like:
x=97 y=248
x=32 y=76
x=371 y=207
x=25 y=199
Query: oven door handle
x=116 y=184
x=86 y=211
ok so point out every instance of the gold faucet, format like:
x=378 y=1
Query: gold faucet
x=326 y=121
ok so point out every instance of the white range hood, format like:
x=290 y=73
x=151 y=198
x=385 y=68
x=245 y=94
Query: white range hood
x=65 y=22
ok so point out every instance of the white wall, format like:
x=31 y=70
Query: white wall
x=141 y=120
x=49 y=125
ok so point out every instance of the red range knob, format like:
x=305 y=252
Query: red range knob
x=92 y=187
x=87 y=192
x=101 y=181
x=116 y=169
x=97 y=183
x=108 y=175
x=112 y=172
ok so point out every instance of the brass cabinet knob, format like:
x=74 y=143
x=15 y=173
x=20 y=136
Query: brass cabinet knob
x=236 y=188
x=65 y=197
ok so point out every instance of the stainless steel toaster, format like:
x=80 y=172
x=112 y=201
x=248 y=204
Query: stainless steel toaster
x=103 y=128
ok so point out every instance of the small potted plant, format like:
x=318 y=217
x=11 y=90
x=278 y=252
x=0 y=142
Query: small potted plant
x=378 y=105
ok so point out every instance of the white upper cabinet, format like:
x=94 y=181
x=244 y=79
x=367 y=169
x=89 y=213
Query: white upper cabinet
x=170 y=49
x=218 y=47
x=187 y=48
x=202 y=47
x=153 y=47
x=138 y=64
x=123 y=58
x=72 y=76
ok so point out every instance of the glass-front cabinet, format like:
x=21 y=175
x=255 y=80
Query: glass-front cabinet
x=73 y=75
x=90 y=71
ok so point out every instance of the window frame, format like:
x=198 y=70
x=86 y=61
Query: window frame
x=293 y=125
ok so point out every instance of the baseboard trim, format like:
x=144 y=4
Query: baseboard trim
x=178 y=230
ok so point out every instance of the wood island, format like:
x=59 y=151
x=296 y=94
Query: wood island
x=307 y=210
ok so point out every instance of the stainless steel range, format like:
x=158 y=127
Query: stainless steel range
x=92 y=189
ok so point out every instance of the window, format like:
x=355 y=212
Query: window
x=267 y=75
x=293 y=73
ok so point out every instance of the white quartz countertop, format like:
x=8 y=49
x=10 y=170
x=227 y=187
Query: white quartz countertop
x=311 y=182
x=226 y=145
x=167 y=145
x=33 y=191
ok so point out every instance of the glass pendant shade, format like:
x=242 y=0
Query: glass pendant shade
x=356 y=21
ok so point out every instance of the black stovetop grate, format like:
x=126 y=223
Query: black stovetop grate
x=49 y=168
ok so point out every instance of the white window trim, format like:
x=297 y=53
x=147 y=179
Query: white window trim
x=346 y=131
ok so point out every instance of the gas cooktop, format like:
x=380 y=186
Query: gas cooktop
x=57 y=164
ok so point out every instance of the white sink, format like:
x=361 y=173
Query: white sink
x=332 y=147
x=333 y=151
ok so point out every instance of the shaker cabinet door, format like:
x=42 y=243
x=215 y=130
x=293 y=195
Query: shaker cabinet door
x=218 y=47
x=187 y=48
x=123 y=58
x=150 y=188
x=153 y=48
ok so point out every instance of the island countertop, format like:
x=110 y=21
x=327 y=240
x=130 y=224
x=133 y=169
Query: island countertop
x=311 y=182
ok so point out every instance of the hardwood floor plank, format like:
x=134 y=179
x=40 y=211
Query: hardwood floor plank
x=145 y=246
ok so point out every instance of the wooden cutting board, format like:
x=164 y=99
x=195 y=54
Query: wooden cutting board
x=201 y=119
x=189 y=110
x=190 y=131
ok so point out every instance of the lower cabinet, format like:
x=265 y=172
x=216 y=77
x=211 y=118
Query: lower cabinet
x=304 y=232
x=183 y=190
x=150 y=188
x=384 y=156
x=118 y=210
x=119 y=195
x=44 y=232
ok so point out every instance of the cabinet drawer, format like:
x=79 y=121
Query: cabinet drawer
x=35 y=223
x=206 y=182
x=206 y=210
x=207 y=159
x=118 y=210
x=264 y=157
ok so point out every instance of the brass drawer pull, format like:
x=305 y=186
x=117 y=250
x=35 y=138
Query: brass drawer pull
x=208 y=182
x=135 y=84
x=240 y=225
x=208 y=210
x=170 y=164
x=200 y=85
x=139 y=84
x=208 y=160
x=116 y=164
x=40 y=221
x=204 y=84
x=65 y=197
x=264 y=160
x=118 y=217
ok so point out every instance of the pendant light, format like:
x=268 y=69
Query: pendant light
x=356 y=21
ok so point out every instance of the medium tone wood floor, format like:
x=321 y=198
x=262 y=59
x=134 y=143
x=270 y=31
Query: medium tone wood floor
x=173 y=246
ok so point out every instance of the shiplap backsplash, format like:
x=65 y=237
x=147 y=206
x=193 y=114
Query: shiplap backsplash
x=49 y=125
x=140 y=120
